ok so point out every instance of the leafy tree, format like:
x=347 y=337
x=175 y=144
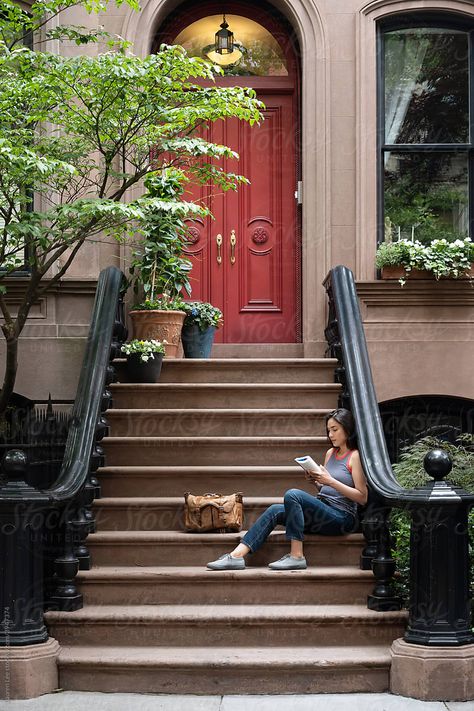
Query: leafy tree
x=76 y=133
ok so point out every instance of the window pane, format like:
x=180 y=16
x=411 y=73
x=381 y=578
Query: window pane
x=258 y=53
x=426 y=196
x=426 y=86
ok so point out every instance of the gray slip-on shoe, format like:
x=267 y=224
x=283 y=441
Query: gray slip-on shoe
x=227 y=562
x=288 y=562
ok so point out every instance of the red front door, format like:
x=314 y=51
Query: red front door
x=246 y=260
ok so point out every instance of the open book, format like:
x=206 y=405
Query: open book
x=308 y=464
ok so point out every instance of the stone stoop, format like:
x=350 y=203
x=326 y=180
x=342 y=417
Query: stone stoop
x=155 y=620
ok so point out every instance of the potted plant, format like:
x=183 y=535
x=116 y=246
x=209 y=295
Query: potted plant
x=439 y=258
x=144 y=359
x=199 y=327
x=159 y=270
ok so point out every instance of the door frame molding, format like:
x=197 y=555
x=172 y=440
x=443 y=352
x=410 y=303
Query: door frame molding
x=305 y=19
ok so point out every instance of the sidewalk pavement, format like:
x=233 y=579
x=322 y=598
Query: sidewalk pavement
x=91 y=701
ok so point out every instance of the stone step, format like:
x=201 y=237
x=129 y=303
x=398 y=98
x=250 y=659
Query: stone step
x=221 y=670
x=177 y=548
x=160 y=513
x=225 y=395
x=242 y=370
x=225 y=625
x=211 y=450
x=216 y=422
x=157 y=481
x=168 y=584
x=164 y=513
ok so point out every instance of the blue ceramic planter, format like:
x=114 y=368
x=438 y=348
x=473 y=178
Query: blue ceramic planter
x=196 y=343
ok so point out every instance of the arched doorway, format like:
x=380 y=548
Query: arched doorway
x=248 y=260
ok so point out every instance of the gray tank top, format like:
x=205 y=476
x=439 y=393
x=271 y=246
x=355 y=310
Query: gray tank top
x=338 y=467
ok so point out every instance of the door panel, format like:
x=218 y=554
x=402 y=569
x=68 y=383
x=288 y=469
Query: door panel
x=255 y=282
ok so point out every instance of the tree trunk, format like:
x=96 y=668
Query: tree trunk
x=11 y=368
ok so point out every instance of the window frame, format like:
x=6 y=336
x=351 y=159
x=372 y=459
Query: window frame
x=440 y=20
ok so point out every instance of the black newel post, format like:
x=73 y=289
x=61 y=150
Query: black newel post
x=21 y=558
x=440 y=606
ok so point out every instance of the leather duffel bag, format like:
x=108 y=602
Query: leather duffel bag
x=213 y=512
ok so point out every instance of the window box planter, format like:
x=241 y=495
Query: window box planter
x=398 y=272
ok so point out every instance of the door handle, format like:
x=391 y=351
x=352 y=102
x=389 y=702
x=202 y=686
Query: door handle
x=219 y=246
x=233 y=242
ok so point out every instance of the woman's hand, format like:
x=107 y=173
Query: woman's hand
x=323 y=478
x=310 y=477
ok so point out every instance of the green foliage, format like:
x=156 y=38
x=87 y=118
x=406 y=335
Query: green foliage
x=112 y=119
x=164 y=303
x=443 y=258
x=411 y=473
x=146 y=349
x=158 y=265
x=202 y=314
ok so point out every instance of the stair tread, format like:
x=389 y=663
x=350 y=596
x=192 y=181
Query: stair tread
x=154 y=501
x=185 y=537
x=150 y=573
x=225 y=386
x=210 y=362
x=225 y=657
x=221 y=411
x=186 y=614
x=225 y=439
x=202 y=468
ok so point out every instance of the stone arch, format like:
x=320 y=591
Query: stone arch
x=305 y=18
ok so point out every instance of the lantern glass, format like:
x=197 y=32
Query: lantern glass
x=224 y=43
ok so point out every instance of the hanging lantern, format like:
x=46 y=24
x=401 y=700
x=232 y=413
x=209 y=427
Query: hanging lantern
x=224 y=50
x=224 y=43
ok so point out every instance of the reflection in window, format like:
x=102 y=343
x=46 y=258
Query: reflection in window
x=426 y=86
x=425 y=133
x=261 y=53
x=426 y=196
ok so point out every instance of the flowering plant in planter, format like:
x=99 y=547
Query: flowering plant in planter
x=145 y=349
x=164 y=303
x=201 y=314
x=441 y=257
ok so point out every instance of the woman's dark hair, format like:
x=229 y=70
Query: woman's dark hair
x=346 y=420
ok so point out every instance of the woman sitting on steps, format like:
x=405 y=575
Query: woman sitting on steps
x=333 y=511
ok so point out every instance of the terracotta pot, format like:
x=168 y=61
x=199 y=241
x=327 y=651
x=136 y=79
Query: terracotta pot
x=397 y=272
x=161 y=326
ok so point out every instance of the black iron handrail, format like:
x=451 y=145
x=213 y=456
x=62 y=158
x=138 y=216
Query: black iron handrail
x=48 y=527
x=87 y=405
x=360 y=386
x=75 y=468
x=440 y=612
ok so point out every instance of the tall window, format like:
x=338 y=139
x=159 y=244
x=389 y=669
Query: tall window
x=425 y=136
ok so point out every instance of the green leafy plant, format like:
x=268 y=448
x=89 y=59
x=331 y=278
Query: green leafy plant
x=411 y=473
x=145 y=349
x=112 y=119
x=164 y=303
x=202 y=314
x=158 y=266
x=443 y=258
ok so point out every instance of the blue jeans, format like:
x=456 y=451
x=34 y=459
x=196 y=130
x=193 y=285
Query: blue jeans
x=300 y=513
